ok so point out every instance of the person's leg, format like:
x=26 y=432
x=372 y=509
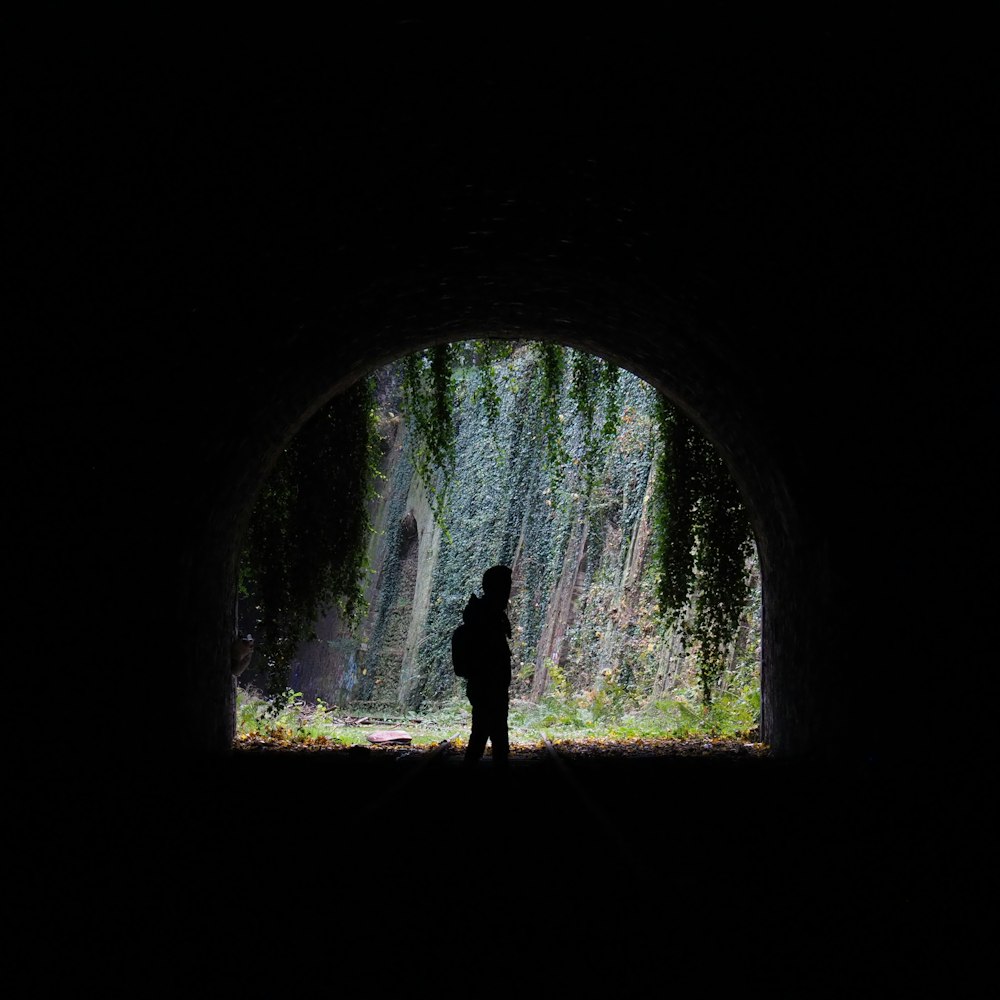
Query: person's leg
x=476 y=746
x=498 y=732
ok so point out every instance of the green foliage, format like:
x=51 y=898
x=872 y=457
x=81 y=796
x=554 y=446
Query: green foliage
x=574 y=447
x=552 y=371
x=677 y=496
x=561 y=714
x=705 y=543
x=428 y=387
x=614 y=697
x=287 y=717
x=730 y=713
x=593 y=379
x=484 y=356
x=306 y=547
x=510 y=503
x=703 y=537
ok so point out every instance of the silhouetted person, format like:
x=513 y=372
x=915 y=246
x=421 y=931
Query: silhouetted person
x=488 y=685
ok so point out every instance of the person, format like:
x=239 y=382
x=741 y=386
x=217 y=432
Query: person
x=488 y=686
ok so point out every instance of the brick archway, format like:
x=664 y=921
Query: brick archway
x=685 y=352
x=776 y=248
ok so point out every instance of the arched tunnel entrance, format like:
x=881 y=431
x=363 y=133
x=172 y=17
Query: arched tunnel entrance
x=548 y=461
x=679 y=350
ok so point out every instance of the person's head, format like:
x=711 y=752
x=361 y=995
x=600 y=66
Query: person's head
x=496 y=585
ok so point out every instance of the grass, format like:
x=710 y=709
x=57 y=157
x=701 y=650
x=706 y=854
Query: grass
x=734 y=714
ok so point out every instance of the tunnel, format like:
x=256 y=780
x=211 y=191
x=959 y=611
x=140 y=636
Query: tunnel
x=752 y=251
x=655 y=340
x=782 y=238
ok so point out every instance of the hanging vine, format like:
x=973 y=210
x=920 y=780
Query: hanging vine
x=552 y=369
x=592 y=380
x=704 y=543
x=428 y=390
x=485 y=356
x=306 y=547
x=676 y=496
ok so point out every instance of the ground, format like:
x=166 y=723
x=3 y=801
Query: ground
x=594 y=865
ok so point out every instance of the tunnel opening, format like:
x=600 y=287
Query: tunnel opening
x=574 y=514
x=684 y=350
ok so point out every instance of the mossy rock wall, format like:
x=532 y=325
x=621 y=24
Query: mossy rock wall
x=583 y=604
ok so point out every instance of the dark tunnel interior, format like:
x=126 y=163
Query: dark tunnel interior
x=780 y=230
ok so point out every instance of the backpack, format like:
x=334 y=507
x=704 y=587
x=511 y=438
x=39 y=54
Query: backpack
x=463 y=649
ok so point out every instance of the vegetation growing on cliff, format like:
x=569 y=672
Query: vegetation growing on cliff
x=702 y=536
x=704 y=543
x=573 y=444
x=307 y=543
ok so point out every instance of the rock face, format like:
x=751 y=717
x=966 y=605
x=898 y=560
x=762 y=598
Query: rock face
x=582 y=605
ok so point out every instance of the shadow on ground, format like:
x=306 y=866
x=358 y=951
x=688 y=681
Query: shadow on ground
x=606 y=868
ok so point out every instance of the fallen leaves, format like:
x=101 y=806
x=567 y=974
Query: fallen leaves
x=699 y=746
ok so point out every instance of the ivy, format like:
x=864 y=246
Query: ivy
x=552 y=367
x=676 y=496
x=428 y=389
x=704 y=543
x=306 y=550
x=307 y=544
x=485 y=356
x=702 y=534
